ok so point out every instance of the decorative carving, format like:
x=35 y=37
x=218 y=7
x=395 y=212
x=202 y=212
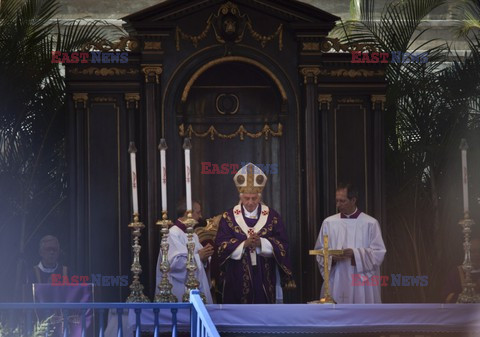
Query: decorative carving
x=125 y=43
x=328 y=44
x=212 y=131
x=352 y=73
x=311 y=46
x=152 y=45
x=325 y=98
x=80 y=97
x=310 y=72
x=132 y=97
x=152 y=70
x=229 y=25
x=227 y=104
x=105 y=99
x=379 y=98
x=194 y=39
x=104 y=71
x=133 y=45
x=263 y=39
x=350 y=100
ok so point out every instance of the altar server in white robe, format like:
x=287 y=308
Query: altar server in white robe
x=355 y=275
x=177 y=257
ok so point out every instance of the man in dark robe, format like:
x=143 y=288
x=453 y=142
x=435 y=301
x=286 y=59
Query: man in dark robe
x=51 y=285
x=252 y=245
x=49 y=251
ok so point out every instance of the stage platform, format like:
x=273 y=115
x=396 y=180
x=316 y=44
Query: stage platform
x=325 y=320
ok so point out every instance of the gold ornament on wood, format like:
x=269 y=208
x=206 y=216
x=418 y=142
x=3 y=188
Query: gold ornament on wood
x=352 y=73
x=152 y=45
x=80 y=97
x=241 y=131
x=378 y=98
x=229 y=25
x=104 y=71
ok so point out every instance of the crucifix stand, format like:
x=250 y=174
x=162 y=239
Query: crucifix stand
x=327 y=299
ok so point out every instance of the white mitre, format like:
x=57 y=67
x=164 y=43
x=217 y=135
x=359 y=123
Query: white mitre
x=250 y=179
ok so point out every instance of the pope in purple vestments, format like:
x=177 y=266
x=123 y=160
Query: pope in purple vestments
x=252 y=246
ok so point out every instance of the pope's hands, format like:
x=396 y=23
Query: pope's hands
x=205 y=252
x=252 y=241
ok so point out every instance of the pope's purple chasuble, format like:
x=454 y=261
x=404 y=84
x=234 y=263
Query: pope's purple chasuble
x=248 y=275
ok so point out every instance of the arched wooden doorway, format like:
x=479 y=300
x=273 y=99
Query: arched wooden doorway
x=233 y=109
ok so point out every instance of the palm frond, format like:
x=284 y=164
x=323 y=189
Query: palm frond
x=468 y=15
x=74 y=35
x=394 y=29
x=429 y=105
x=32 y=118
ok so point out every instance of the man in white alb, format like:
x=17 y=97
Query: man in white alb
x=355 y=275
x=178 y=253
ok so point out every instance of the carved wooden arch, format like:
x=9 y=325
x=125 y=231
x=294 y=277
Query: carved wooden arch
x=224 y=59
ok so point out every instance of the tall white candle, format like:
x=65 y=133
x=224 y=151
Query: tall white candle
x=188 y=181
x=464 y=148
x=163 y=172
x=133 y=168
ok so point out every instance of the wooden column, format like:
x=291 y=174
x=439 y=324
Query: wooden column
x=378 y=105
x=327 y=190
x=311 y=181
x=131 y=102
x=149 y=208
x=77 y=183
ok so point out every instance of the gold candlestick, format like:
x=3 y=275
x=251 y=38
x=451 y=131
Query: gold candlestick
x=191 y=282
x=165 y=287
x=468 y=294
x=136 y=288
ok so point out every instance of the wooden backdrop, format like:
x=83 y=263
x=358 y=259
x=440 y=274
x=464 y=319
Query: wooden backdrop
x=248 y=81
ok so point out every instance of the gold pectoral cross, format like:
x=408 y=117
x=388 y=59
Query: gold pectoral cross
x=326 y=253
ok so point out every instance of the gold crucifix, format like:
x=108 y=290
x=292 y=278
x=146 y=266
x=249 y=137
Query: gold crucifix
x=326 y=253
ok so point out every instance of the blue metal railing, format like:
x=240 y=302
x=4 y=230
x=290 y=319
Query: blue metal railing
x=201 y=324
